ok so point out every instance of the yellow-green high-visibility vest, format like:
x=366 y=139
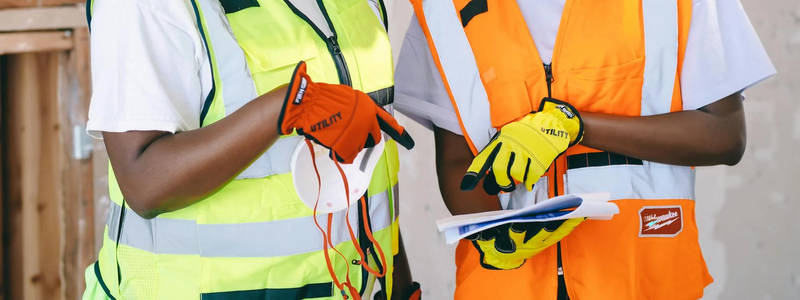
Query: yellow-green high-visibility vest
x=254 y=238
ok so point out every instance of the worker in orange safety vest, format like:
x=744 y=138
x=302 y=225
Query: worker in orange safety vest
x=535 y=99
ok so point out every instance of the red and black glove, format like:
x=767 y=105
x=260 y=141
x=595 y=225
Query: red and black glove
x=337 y=117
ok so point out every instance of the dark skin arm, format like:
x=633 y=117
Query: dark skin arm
x=712 y=135
x=161 y=172
x=453 y=157
x=402 y=272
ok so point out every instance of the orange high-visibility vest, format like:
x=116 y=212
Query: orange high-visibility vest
x=620 y=57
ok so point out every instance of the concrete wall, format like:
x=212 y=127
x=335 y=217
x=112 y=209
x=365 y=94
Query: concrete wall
x=747 y=214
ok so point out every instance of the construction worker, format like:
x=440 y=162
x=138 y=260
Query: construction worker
x=200 y=136
x=534 y=99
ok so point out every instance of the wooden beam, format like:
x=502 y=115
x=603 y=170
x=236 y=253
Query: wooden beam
x=3 y=144
x=78 y=235
x=31 y=3
x=22 y=42
x=34 y=177
x=42 y=18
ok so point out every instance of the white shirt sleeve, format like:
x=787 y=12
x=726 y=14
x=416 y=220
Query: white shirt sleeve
x=145 y=67
x=723 y=54
x=419 y=91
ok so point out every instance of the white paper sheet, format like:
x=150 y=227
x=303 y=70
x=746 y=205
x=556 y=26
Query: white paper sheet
x=592 y=206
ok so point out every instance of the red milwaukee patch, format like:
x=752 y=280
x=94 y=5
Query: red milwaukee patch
x=660 y=221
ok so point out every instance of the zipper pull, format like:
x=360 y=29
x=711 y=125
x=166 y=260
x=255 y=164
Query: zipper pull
x=334 y=46
x=548 y=72
x=560 y=271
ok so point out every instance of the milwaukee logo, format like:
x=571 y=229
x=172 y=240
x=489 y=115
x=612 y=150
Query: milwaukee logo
x=301 y=91
x=327 y=122
x=660 y=221
x=656 y=219
x=555 y=132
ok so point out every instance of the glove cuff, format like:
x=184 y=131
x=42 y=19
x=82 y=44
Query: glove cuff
x=298 y=92
x=414 y=292
x=568 y=110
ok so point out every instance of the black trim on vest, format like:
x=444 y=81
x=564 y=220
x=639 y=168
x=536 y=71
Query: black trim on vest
x=599 y=159
x=383 y=97
x=100 y=280
x=313 y=290
x=472 y=9
x=210 y=97
x=89 y=14
x=232 y=6
x=385 y=15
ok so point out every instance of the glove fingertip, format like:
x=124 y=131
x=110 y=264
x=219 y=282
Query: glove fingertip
x=406 y=140
x=490 y=185
x=394 y=130
x=470 y=181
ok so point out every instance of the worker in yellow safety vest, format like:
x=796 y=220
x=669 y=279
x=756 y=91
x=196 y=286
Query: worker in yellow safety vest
x=535 y=99
x=204 y=107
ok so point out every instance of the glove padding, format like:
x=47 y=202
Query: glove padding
x=508 y=246
x=337 y=117
x=522 y=151
x=413 y=292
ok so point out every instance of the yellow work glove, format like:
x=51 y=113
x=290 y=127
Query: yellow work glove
x=523 y=150
x=507 y=247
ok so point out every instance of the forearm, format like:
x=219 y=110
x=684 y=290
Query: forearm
x=708 y=136
x=177 y=170
x=453 y=158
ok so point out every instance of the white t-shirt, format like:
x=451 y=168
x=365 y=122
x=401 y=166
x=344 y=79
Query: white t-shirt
x=723 y=55
x=150 y=69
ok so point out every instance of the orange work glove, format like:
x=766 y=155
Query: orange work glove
x=337 y=117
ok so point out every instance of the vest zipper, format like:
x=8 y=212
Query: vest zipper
x=562 y=286
x=548 y=72
x=338 y=60
x=332 y=41
x=333 y=48
x=562 y=283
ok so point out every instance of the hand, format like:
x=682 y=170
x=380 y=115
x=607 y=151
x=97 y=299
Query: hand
x=523 y=150
x=507 y=247
x=337 y=117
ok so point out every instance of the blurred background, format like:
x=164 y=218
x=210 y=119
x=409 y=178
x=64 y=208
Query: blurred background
x=54 y=187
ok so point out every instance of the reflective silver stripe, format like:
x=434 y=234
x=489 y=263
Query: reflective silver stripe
x=277 y=159
x=396 y=201
x=383 y=97
x=661 y=55
x=651 y=181
x=235 y=87
x=260 y=239
x=461 y=73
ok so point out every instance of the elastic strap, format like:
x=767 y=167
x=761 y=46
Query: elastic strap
x=327 y=239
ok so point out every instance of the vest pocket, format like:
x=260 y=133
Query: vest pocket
x=138 y=273
x=613 y=89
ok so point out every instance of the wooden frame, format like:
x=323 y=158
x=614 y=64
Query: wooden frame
x=31 y=3
x=48 y=194
x=26 y=42
x=42 y=18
